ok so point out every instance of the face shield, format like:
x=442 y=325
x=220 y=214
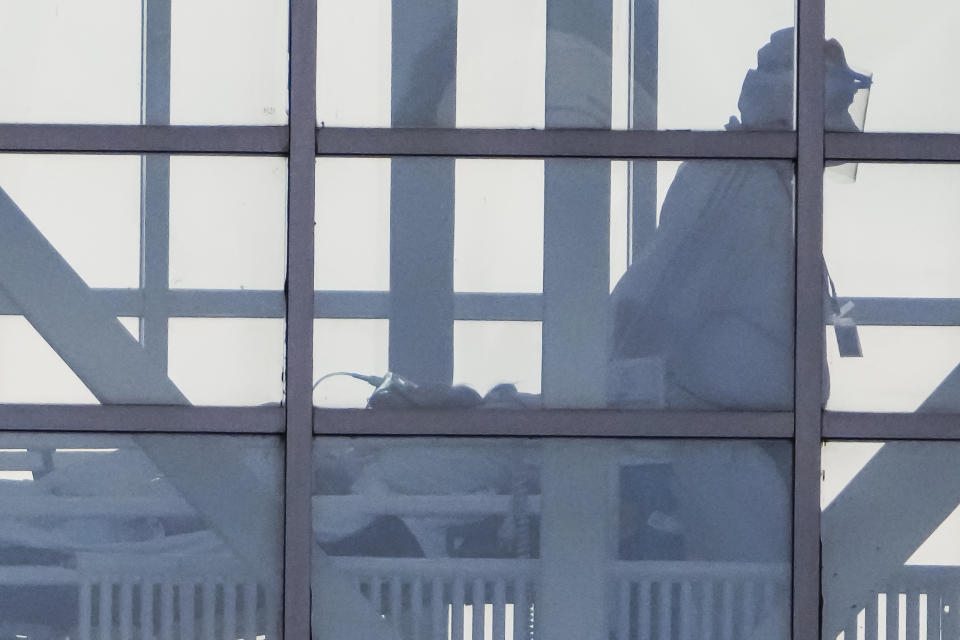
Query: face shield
x=847 y=94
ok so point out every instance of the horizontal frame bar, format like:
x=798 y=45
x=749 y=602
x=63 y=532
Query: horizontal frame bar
x=576 y=143
x=89 y=138
x=518 y=307
x=253 y=139
x=893 y=147
x=142 y=418
x=839 y=425
x=552 y=422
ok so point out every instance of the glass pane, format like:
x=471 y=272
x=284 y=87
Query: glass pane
x=557 y=283
x=889 y=534
x=139 y=536
x=229 y=62
x=910 y=92
x=604 y=64
x=188 y=251
x=204 y=62
x=227 y=224
x=505 y=538
x=66 y=61
x=897 y=287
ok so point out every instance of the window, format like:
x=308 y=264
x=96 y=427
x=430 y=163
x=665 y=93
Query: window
x=458 y=319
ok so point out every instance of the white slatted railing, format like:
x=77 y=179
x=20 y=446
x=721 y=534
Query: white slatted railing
x=669 y=600
x=494 y=599
x=918 y=603
x=158 y=597
x=448 y=598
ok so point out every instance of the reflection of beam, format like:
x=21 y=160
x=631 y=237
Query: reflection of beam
x=910 y=312
x=421 y=268
x=644 y=81
x=209 y=473
x=183 y=303
x=423 y=67
x=576 y=282
x=946 y=397
x=250 y=303
x=57 y=303
x=577 y=509
x=155 y=181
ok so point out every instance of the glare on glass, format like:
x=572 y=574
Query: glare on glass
x=201 y=62
x=154 y=279
x=554 y=283
x=432 y=538
x=140 y=536
x=896 y=287
x=889 y=527
x=622 y=64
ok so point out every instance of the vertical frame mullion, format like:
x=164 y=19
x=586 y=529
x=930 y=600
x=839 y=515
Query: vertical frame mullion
x=809 y=321
x=155 y=181
x=299 y=289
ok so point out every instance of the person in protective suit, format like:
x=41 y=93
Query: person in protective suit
x=705 y=316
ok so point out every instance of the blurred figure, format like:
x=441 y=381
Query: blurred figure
x=704 y=318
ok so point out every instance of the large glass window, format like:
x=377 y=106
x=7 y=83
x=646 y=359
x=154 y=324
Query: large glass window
x=548 y=305
x=140 y=536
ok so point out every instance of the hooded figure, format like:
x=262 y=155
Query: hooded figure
x=705 y=317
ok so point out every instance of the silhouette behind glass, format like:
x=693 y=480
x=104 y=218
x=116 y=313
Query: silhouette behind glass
x=704 y=318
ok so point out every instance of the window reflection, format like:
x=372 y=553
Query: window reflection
x=512 y=311
x=890 y=561
x=504 y=538
x=189 y=250
x=146 y=536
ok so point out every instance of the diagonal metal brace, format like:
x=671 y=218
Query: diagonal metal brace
x=117 y=370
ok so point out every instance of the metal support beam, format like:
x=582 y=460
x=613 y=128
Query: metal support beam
x=893 y=147
x=808 y=374
x=141 y=418
x=116 y=369
x=562 y=143
x=298 y=532
x=121 y=138
x=581 y=423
